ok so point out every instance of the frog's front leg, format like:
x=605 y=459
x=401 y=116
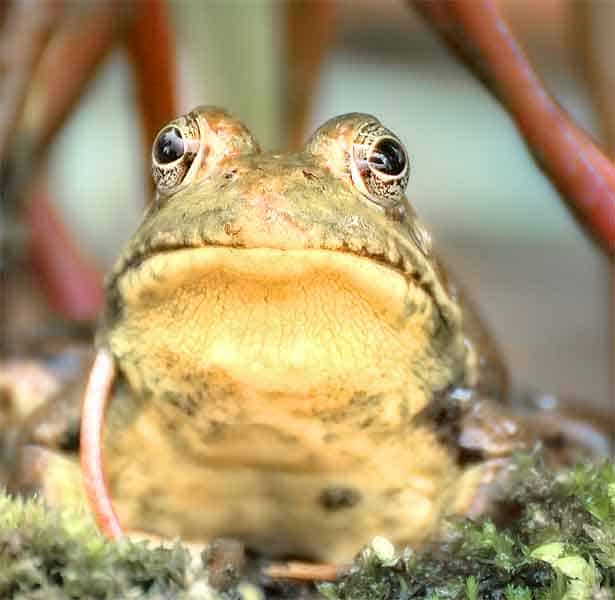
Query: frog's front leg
x=491 y=434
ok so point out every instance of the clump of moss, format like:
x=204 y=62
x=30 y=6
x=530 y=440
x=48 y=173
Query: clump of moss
x=555 y=539
x=59 y=555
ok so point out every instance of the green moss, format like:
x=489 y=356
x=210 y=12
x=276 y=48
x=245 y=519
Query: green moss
x=50 y=555
x=555 y=539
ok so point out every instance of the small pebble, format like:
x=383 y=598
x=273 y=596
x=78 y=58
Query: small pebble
x=247 y=591
x=383 y=549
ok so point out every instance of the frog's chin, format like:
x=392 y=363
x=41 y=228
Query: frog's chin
x=279 y=323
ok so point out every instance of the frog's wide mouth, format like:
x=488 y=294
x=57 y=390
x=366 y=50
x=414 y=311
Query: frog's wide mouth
x=156 y=268
x=162 y=273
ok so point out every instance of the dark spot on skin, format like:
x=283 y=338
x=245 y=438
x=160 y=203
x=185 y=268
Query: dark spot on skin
x=184 y=403
x=171 y=425
x=362 y=409
x=231 y=230
x=392 y=492
x=215 y=431
x=157 y=276
x=338 y=498
x=365 y=423
x=148 y=509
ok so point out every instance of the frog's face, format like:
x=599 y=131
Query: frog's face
x=296 y=274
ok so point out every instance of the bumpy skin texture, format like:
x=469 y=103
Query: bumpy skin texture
x=282 y=336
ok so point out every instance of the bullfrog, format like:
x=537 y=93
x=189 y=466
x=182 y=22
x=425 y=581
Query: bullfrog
x=296 y=370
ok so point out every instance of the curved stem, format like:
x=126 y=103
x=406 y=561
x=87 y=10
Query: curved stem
x=92 y=421
x=71 y=282
x=151 y=49
x=581 y=172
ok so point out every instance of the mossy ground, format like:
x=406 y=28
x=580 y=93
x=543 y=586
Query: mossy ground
x=557 y=543
x=51 y=555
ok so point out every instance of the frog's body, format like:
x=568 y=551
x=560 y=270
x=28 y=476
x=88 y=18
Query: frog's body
x=283 y=328
x=290 y=350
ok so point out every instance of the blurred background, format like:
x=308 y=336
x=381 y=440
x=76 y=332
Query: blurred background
x=498 y=224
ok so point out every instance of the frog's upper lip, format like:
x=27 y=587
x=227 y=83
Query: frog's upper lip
x=144 y=254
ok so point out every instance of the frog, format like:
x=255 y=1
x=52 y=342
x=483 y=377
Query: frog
x=295 y=368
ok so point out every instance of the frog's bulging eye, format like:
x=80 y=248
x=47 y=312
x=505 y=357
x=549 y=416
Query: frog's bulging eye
x=173 y=153
x=389 y=157
x=169 y=146
x=380 y=167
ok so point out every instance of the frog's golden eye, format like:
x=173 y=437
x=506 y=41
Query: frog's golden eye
x=379 y=165
x=173 y=152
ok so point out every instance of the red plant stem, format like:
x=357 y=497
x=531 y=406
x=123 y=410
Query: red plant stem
x=310 y=30
x=80 y=48
x=23 y=39
x=72 y=285
x=92 y=422
x=581 y=172
x=151 y=46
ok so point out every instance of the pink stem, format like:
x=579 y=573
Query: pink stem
x=581 y=172
x=24 y=37
x=72 y=284
x=92 y=422
x=151 y=48
x=71 y=64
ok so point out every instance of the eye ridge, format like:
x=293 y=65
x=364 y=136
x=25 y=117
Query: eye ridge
x=169 y=146
x=388 y=157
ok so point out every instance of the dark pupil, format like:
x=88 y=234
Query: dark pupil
x=388 y=157
x=169 y=146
